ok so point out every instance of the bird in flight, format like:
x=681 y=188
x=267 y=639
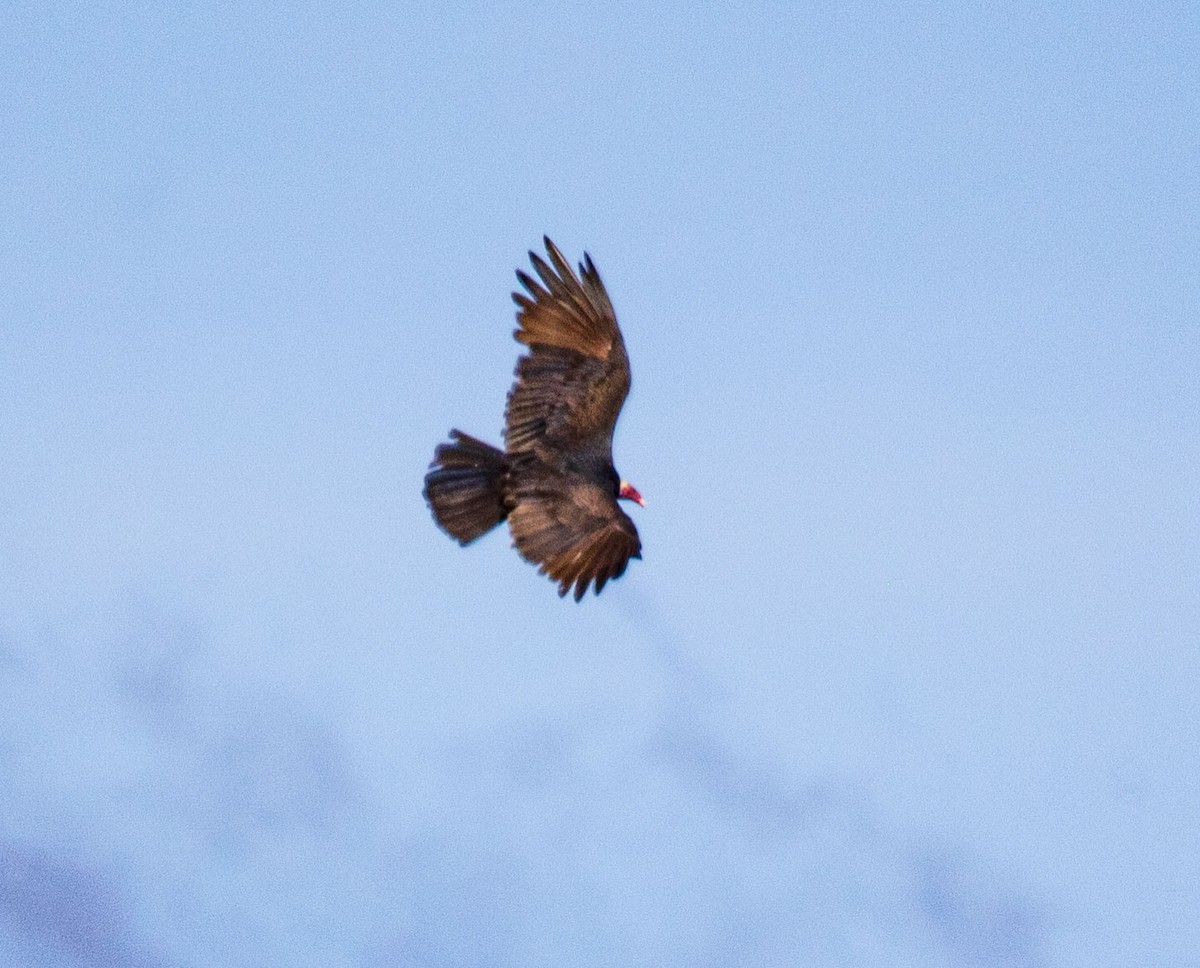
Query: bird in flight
x=554 y=481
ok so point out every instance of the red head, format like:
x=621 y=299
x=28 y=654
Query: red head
x=630 y=493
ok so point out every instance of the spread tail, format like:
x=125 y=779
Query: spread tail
x=464 y=487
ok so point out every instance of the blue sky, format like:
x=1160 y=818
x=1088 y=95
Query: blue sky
x=910 y=670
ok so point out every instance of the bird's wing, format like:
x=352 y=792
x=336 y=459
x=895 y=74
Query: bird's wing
x=572 y=529
x=572 y=383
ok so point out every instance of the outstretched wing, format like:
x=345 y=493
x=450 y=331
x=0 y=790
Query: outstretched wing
x=571 y=385
x=572 y=529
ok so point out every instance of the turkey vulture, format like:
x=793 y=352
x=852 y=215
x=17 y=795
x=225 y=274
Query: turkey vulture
x=554 y=481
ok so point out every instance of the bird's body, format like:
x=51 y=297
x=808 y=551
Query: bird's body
x=554 y=482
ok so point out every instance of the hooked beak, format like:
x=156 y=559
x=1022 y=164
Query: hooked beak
x=630 y=493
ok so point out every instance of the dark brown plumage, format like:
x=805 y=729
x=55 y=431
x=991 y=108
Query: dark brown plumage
x=554 y=481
